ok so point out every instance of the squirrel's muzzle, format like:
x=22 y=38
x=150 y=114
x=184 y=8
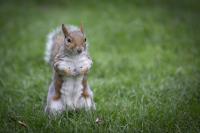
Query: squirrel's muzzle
x=79 y=51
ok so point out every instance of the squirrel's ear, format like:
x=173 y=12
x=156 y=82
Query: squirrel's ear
x=64 y=29
x=81 y=28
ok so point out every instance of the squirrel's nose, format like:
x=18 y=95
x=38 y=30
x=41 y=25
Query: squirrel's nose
x=79 y=51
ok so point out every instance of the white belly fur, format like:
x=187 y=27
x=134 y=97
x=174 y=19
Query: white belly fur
x=71 y=91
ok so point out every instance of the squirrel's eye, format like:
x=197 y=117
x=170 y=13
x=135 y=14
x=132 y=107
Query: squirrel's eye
x=85 y=40
x=69 y=40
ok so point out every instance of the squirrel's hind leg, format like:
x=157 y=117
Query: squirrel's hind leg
x=53 y=106
x=58 y=84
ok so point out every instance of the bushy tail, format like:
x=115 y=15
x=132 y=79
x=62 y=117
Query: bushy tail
x=51 y=39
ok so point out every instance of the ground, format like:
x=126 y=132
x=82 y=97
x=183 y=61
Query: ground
x=146 y=72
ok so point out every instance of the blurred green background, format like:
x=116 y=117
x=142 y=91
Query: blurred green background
x=146 y=72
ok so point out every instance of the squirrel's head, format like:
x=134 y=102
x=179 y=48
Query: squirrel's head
x=74 y=41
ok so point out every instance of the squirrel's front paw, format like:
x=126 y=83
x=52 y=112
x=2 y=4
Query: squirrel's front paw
x=70 y=72
x=75 y=72
x=83 y=70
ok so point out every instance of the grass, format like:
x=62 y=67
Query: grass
x=146 y=72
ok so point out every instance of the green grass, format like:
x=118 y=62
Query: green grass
x=146 y=72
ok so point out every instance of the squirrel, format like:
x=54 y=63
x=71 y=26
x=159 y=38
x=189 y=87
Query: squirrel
x=69 y=58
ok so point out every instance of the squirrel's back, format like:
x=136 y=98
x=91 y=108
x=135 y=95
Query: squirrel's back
x=54 y=41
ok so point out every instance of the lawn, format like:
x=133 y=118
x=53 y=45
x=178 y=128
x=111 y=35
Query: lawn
x=146 y=71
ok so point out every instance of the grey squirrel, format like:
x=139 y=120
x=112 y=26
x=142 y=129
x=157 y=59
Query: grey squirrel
x=68 y=56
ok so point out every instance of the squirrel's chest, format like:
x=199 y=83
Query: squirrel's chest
x=77 y=62
x=73 y=85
